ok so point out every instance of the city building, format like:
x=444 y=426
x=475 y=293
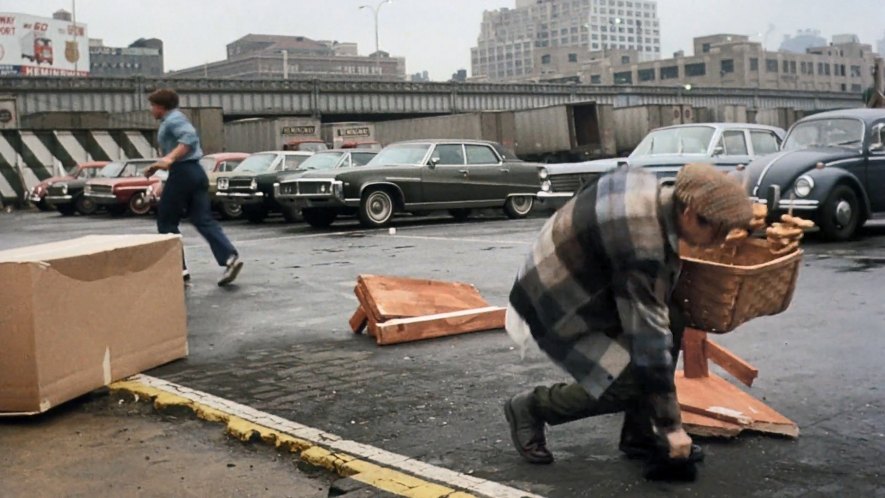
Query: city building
x=459 y=76
x=880 y=46
x=552 y=37
x=804 y=39
x=729 y=60
x=283 y=57
x=419 y=77
x=144 y=57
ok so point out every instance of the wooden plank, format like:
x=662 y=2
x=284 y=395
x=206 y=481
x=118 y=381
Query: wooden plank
x=440 y=325
x=731 y=363
x=694 y=357
x=717 y=413
x=372 y=327
x=701 y=426
x=365 y=303
x=713 y=394
x=358 y=320
x=398 y=297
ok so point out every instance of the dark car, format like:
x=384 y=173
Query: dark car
x=68 y=196
x=417 y=176
x=664 y=151
x=251 y=184
x=80 y=171
x=831 y=169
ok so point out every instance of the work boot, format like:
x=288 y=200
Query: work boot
x=638 y=442
x=526 y=429
x=231 y=270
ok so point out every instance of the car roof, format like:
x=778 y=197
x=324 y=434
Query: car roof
x=750 y=126
x=285 y=152
x=446 y=141
x=346 y=151
x=93 y=164
x=226 y=156
x=867 y=115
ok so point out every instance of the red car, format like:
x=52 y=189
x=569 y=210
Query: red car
x=122 y=187
x=81 y=171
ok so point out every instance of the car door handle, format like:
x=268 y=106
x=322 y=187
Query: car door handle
x=504 y=170
x=463 y=171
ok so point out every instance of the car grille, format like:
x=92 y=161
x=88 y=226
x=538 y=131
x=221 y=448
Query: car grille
x=54 y=190
x=240 y=184
x=314 y=188
x=571 y=182
x=101 y=189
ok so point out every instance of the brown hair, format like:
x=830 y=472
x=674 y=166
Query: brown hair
x=164 y=97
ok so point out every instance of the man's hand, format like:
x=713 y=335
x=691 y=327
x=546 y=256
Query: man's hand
x=679 y=443
x=163 y=164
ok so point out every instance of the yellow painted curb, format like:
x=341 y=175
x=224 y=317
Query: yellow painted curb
x=377 y=476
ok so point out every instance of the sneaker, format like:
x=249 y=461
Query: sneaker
x=231 y=270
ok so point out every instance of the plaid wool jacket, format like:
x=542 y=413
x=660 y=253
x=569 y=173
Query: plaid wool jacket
x=595 y=288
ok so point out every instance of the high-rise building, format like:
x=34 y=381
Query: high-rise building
x=143 y=57
x=527 y=42
x=804 y=39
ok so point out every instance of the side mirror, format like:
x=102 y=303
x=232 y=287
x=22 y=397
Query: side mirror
x=433 y=162
x=718 y=150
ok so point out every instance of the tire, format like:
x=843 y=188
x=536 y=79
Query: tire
x=43 y=205
x=376 y=208
x=318 y=218
x=290 y=214
x=460 y=214
x=230 y=211
x=255 y=215
x=139 y=205
x=518 y=206
x=85 y=206
x=840 y=215
x=66 y=209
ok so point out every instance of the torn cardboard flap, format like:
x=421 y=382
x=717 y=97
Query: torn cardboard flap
x=78 y=315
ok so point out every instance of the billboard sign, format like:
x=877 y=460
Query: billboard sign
x=41 y=46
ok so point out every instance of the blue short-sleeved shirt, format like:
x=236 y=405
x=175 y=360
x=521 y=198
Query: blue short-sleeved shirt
x=176 y=129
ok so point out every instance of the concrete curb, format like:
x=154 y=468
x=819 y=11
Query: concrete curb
x=389 y=472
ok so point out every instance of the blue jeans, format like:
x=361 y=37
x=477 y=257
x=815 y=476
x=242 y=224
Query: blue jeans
x=187 y=190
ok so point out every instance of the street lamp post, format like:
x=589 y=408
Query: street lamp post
x=375 y=10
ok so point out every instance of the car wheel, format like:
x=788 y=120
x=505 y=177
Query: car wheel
x=518 y=206
x=139 y=204
x=230 y=211
x=376 y=209
x=43 y=205
x=460 y=214
x=255 y=214
x=85 y=205
x=840 y=216
x=290 y=214
x=66 y=209
x=319 y=218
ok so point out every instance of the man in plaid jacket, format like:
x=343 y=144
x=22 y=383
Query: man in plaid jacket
x=594 y=294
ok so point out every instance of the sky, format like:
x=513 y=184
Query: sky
x=433 y=35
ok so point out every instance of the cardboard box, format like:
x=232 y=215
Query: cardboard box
x=80 y=314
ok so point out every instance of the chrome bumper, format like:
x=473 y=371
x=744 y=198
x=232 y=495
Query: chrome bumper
x=239 y=197
x=58 y=199
x=787 y=204
x=543 y=195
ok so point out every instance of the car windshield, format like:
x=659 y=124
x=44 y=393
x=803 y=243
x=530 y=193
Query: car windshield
x=825 y=133
x=112 y=170
x=256 y=163
x=325 y=160
x=405 y=154
x=682 y=140
x=86 y=173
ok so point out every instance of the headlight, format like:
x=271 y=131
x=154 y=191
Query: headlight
x=325 y=188
x=804 y=186
x=222 y=183
x=253 y=185
x=87 y=189
x=338 y=190
x=64 y=188
x=543 y=173
x=545 y=186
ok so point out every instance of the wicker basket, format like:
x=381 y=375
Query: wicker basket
x=723 y=288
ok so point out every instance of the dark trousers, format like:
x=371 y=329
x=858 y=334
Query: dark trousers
x=563 y=403
x=187 y=189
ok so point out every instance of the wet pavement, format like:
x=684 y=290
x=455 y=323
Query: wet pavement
x=279 y=341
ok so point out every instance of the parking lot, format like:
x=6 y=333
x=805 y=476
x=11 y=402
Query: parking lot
x=278 y=341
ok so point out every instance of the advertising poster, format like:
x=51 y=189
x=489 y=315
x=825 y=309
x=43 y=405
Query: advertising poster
x=40 y=46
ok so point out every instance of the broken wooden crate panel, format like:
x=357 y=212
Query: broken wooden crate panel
x=440 y=325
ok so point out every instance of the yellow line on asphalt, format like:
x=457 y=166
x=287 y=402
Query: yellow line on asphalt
x=342 y=463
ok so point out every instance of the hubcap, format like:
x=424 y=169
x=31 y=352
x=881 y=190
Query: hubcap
x=521 y=204
x=843 y=212
x=379 y=207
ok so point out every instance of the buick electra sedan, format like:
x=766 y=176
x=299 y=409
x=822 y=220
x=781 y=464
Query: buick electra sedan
x=417 y=176
x=831 y=169
x=664 y=151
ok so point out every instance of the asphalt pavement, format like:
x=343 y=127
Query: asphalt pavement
x=278 y=341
